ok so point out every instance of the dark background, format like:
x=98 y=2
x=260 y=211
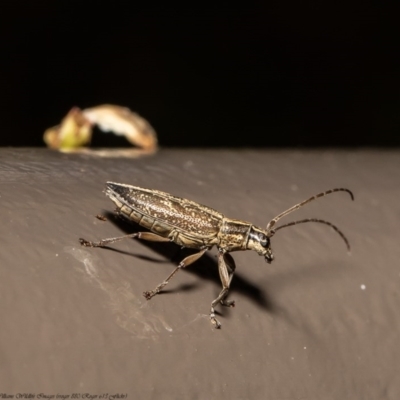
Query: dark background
x=288 y=74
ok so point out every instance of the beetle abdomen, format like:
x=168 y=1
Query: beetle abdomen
x=161 y=212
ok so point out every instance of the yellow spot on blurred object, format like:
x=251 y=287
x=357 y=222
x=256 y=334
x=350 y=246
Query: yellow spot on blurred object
x=74 y=131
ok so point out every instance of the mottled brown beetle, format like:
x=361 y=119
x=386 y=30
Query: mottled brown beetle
x=189 y=224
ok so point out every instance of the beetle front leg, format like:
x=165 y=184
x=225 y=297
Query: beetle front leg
x=183 y=264
x=226 y=268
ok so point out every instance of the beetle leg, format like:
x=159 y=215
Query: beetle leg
x=152 y=237
x=183 y=264
x=231 y=266
x=226 y=268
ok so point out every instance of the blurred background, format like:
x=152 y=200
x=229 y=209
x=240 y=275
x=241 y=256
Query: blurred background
x=288 y=74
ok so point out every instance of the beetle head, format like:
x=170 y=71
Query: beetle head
x=260 y=242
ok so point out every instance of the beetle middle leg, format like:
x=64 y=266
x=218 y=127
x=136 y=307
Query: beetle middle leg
x=226 y=268
x=183 y=264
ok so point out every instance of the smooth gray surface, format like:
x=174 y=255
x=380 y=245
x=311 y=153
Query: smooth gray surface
x=316 y=324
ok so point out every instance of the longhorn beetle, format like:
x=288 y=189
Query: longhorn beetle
x=189 y=224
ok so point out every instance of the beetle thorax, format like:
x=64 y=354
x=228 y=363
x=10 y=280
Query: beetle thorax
x=233 y=234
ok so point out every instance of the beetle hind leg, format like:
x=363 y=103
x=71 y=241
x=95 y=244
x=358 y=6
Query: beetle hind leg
x=105 y=242
x=152 y=237
x=226 y=268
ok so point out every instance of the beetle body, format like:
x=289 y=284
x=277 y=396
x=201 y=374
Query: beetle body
x=184 y=222
x=190 y=224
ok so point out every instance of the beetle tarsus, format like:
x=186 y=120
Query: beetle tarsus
x=86 y=243
x=148 y=294
x=230 y=303
x=214 y=321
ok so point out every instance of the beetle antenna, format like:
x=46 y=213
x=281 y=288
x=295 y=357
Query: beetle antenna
x=335 y=228
x=297 y=206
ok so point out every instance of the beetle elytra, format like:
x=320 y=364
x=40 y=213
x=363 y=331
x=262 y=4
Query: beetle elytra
x=189 y=224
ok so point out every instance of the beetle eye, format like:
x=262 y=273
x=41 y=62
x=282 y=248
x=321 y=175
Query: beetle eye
x=263 y=239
